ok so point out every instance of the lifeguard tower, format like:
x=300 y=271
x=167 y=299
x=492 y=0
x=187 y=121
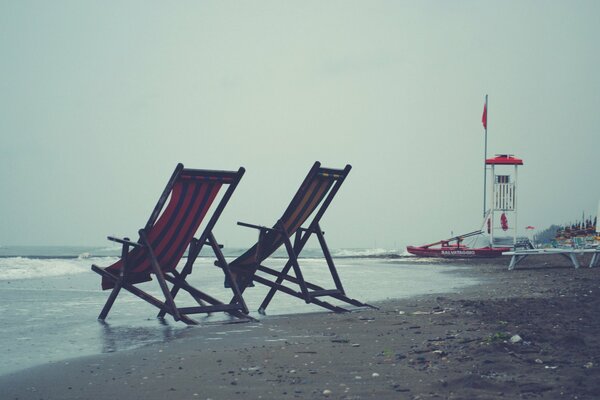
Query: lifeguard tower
x=502 y=204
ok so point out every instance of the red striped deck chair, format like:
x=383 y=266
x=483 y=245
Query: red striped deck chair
x=165 y=238
x=313 y=197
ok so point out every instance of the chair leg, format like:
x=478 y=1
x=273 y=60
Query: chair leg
x=237 y=294
x=160 y=277
x=594 y=260
x=515 y=259
x=111 y=299
x=195 y=248
x=292 y=262
x=273 y=290
x=141 y=294
x=571 y=257
x=174 y=291
x=513 y=262
x=118 y=282
x=297 y=270
x=574 y=260
x=169 y=301
x=329 y=259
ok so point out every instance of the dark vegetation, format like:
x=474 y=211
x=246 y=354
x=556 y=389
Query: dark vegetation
x=547 y=235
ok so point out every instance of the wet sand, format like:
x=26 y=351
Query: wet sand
x=454 y=346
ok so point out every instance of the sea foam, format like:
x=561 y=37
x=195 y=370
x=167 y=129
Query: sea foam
x=364 y=253
x=13 y=268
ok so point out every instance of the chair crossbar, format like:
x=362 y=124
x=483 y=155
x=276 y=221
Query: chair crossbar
x=287 y=277
x=209 y=174
x=326 y=292
x=335 y=293
x=299 y=295
x=236 y=309
x=208 y=309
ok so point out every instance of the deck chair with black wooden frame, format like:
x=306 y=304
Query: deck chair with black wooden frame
x=164 y=240
x=318 y=189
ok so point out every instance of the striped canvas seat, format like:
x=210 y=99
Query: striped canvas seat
x=169 y=233
x=310 y=195
x=312 y=199
x=191 y=197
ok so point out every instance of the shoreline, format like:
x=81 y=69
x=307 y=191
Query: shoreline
x=453 y=345
x=54 y=317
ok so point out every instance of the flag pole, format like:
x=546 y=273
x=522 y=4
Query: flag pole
x=484 y=120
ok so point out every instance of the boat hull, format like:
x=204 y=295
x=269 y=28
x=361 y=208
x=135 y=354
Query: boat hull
x=457 y=252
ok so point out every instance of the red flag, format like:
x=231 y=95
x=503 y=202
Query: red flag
x=484 y=116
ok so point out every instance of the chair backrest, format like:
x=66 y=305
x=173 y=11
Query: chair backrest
x=318 y=189
x=191 y=193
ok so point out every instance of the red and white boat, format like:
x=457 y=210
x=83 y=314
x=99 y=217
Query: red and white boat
x=453 y=248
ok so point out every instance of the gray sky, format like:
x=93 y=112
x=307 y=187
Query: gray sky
x=99 y=102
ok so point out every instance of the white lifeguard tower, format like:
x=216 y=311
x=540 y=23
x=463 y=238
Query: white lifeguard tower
x=502 y=204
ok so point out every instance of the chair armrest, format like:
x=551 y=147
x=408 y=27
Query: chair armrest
x=206 y=243
x=259 y=227
x=310 y=230
x=124 y=241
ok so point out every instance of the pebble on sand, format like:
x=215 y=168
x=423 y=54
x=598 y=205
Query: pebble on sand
x=516 y=339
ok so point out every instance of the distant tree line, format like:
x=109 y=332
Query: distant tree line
x=547 y=235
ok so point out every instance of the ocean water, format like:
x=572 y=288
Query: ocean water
x=50 y=299
x=114 y=250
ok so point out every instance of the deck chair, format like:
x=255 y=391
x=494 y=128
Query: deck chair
x=164 y=240
x=313 y=197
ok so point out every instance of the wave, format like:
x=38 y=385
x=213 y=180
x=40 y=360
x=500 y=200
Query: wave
x=31 y=267
x=365 y=253
x=16 y=268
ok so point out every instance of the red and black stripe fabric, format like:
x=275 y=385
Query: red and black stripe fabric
x=311 y=194
x=171 y=234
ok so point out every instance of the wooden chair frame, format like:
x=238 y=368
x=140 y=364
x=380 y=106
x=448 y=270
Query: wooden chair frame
x=237 y=307
x=309 y=292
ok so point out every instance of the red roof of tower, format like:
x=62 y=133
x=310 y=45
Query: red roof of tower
x=504 y=159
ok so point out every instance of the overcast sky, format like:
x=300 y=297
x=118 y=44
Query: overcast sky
x=99 y=101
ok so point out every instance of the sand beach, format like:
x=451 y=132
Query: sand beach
x=523 y=334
